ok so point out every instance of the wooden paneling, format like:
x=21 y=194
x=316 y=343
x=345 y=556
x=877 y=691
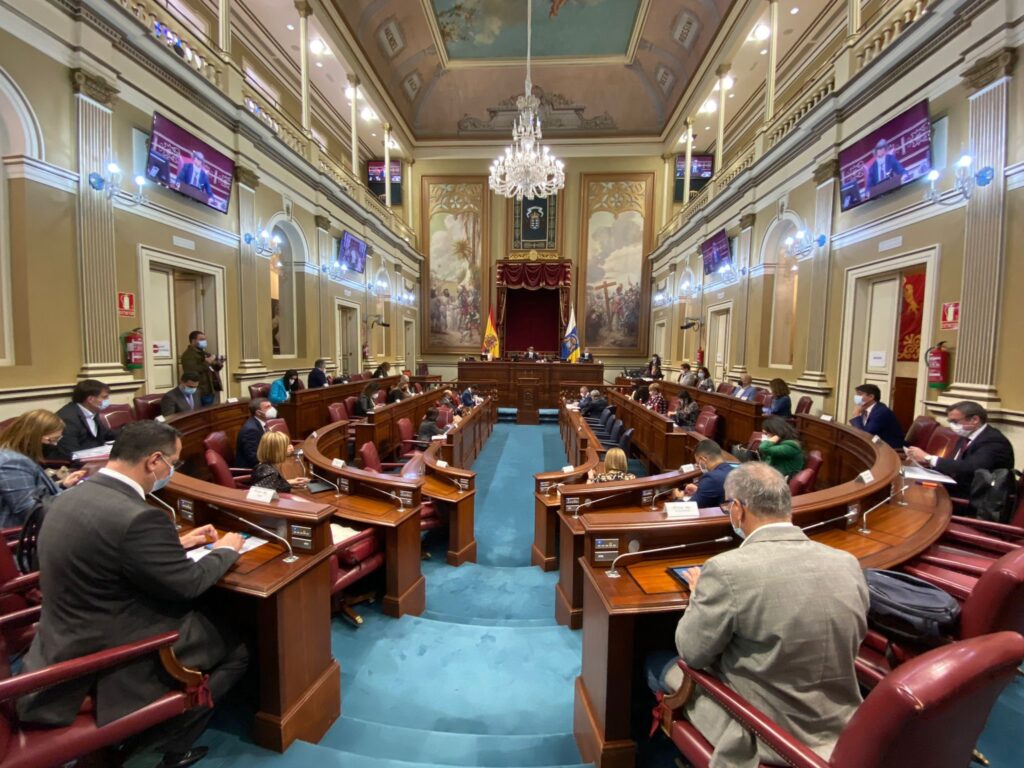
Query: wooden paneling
x=550 y=378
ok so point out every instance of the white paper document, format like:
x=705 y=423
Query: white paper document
x=920 y=474
x=682 y=510
x=197 y=554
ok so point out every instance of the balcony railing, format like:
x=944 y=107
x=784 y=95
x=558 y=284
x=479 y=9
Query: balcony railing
x=163 y=27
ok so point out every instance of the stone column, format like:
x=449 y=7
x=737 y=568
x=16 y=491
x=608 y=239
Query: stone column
x=354 y=123
x=97 y=262
x=773 y=60
x=981 y=298
x=689 y=157
x=722 y=72
x=407 y=195
x=387 y=164
x=248 y=271
x=666 y=187
x=302 y=6
x=746 y=244
x=853 y=17
x=224 y=27
x=324 y=243
x=825 y=176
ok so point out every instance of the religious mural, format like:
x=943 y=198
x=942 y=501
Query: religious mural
x=616 y=235
x=456 y=223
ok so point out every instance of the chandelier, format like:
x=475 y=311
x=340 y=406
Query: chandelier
x=527 y=169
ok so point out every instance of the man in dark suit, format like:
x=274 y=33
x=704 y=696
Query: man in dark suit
x=194 y=174
x=596 y=405
x=883 y=166
x=531 y=354
x=249 y=436
x=875 y=417
x=709 y=490
x=586 y=356
x=981 y=447
x=468 y=396
x=115 y=571
x=82 y=430
x=318 y=376
x=183 y=398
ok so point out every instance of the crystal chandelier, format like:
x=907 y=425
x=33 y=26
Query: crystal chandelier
x=527 y=169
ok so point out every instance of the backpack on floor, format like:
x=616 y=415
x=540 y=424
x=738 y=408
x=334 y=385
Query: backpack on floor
x=993 y=494
x=911 y=609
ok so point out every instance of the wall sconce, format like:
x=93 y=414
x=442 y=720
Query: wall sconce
x=659 y=298
x=110 y=184
x=964 y=184
x=404 y=297
x=263 y=243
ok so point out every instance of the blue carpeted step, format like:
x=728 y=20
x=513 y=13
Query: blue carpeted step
x=383 y=740
x=488 y=592
x=451 y=618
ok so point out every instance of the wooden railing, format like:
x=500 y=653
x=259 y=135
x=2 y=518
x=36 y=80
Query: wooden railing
x=168 y=31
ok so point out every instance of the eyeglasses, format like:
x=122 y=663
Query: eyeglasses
x=726 y=506
x=175 y=465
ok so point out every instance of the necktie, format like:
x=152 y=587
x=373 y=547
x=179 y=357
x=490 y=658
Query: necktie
x=961 y=446
x=195 y=177
x=188 y=399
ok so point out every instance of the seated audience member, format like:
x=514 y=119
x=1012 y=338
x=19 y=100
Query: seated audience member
x=586 y=356
x=781 y=404
x=23 y=481
x=746 y=388
x=655 y=400
x=400 y=391
x=982 y=446
x=183 y=398
x=687 y=377
x=468 y=396
x=641 y=393
x=760 y=620
x=82 y=430
x=653 y=369
x=428 y=427
x=596 y=405
x=584 y=400
x=704 y=382
x=709 y=490
x=686 y=412
x=383 y=370
x=874 y=417
x=318 y=376
x=531 y=354
x=281 y=390
x=366 y=403
x=114 y=571
x=274 y=450
x=616 y=467
x=781 y=447
x=248 y=442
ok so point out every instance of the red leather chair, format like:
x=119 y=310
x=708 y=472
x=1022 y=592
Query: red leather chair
x=299 y=385
x=218 y=441
x=802 y=482
x=755 y=441
x=354 y=558
x=418 y=387
x=358 y=376
x=380 y=397
x=708 y=408
x=336 y=412
x=113 y=417
x=18 y=593
x=921 y=431
x=929 y=711
x=147 y=406
x=278 y=425
x=759 y=396
x=409 y=444
x=371 y=462
x=943 y=442
x=707 y=424
x=223 y=474
x=725 y=388
x=259 y=389
x=444 y=416
x=803 y=405
x=767 y=400
x=350 y=406
x=814 y=462
x=30 y=746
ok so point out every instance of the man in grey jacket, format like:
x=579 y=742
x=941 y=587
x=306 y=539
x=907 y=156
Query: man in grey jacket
x=779 y=619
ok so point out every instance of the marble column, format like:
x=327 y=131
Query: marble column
x=354 y=123
x=853 y=17
x=773 y=60
x=668 y=160
x=407 y=194
x=746 y=245
x=97 y=262
x=981 y=299
x=248 y=271
x=722 y=72
x=324 y=243
x=224 y=27
x=825 y=176
x=689 y=157
x=302 y=6
x=387 y=164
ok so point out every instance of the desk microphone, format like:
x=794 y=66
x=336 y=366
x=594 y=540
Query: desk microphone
x=590 y=501
x=864 y=520
x=455 y=481
x=553 y=488
x=337 y=488
x=658 y=495
x=389 y=494
x=614 y=574
x=291 y=555
x=168 y=507
x=848 y=516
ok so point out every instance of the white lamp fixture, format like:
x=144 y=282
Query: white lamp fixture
x=527 y=169
x=110 y=185
x=964 y=183
x=265 y=244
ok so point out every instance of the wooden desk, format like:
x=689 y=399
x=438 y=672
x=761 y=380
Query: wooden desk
x=306 y=410
x=454 y=491
x=196 y=425
x=381 y=425
x=285 y=606
x=463 y=443
x=654 y=435
x=550 y=378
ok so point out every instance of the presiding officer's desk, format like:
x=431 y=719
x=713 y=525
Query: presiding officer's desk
x=306 y=409
x=624 y=618
x=548 y=379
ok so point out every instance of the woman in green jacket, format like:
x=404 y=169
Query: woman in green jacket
x=781 y=447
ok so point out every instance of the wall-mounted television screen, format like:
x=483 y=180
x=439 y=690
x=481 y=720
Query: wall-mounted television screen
x=702 y=168
x=375 y=179
x=887 y=158
x=716 y=252
x=352 y=253
x=179 y=161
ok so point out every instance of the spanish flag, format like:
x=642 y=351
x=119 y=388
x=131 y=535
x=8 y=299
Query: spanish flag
x=490 y=344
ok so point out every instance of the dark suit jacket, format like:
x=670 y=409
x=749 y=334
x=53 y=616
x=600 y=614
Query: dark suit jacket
x=248 y=442
x=114 y=572
x=879 y=172
x=467 y=399
x=989 y=450
x=531 y=356
x=782 y=406
x=316 y=379
x=881 y=421
x=586 y=357
x=595 y=407
x=77 y=436
x=711 y=486
x=174 y=402
x=185 y=177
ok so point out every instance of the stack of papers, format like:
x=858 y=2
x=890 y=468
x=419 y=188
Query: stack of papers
x=250 y=543
x=92 y=454
x=920 y=474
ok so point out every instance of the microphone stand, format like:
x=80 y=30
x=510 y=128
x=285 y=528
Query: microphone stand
x=337 y=488
x=169 y=508
x=658 y=495
x=614 y=574
x=864 y=520
x=589 y=502
x=902 y=500
x=848 y=516
x=454 y=481
x=292 y=557
x=389 y=494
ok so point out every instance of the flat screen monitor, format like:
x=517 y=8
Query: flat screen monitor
x=716 y=252
x=895 y=154
x=179 y=161
x=352 y=253
x=702 y=168
x=375 y=179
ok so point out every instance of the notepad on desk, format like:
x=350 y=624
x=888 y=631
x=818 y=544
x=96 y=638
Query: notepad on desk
x=921 y=475
x=250 y=543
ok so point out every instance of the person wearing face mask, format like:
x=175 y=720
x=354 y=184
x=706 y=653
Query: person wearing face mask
x=318 y=375
x=197 y=358
x=282 y=389
x=653 y=369
x=760 y=619
x=82 y=430
x=874 y=417
x=247 y=445
x=114 y=571
x=981 y=446
x=704 y=382
x=23 y=481
x=709 y=490
x=184 y=398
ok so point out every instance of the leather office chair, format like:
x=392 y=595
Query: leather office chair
x=31 y=746
x=604 y=432
x=725 y=388
x=708 y=408
x=921 y=431
x=18 y=593
x=147 y=406
x=380 y=397
x=932 y=708
x=223 y=474
x=418 y=388
x=814 y=462
x=444 y=416
x=218 y=441
x=370 y=460
x=802 y=482
x=767 y=401
x=336 y=412
x=612 y=440
x=759 y=396
x=409 y=445
x=299 y=385
x=350 y=406
x=943 y=442
x=626 y=441
x=259 y=389
x=755 y=441
x=803 y=405
x=354 y=558
x=113 y=417
x=707 y=424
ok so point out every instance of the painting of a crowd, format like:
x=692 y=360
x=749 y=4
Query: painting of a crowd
x=613 y=314
x=455 y=318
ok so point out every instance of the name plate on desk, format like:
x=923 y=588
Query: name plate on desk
x=568 y=468
x=681 y=510
x=438 y=437
x=313 y=434
x=441 y=463
x=572 y=503
x=866 y=476
x=406 y=497
x=338 y=463
x=262 y=495
x=232 y=400
x=688 y=468
x=826 y=417
x=343 y=485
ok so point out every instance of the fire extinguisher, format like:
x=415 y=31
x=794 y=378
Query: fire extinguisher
x=134 y=353
x=700 y=356
x=938 y=366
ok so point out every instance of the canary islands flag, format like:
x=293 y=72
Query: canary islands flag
x=571 y=340
x=490 y=343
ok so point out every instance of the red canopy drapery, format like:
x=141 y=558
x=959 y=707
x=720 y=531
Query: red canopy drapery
x=534 y=276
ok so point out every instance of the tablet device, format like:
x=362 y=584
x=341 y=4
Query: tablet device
x=317 y=486
x=679 y=574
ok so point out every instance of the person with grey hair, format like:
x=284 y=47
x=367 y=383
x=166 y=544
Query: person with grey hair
x=761 y=619
x=400 y=391
x=596 y=405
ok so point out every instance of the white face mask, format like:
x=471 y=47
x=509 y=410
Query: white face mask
x=858 y=399
x=961 y=430
x=270 y=413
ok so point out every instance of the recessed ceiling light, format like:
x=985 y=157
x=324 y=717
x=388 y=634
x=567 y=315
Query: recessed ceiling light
x=320 y=64
x=732 y=95
x=764 y=51
x=291 y=27
x=761 y=32
x=317 y=47
x=707 y=127
x=794 y=11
